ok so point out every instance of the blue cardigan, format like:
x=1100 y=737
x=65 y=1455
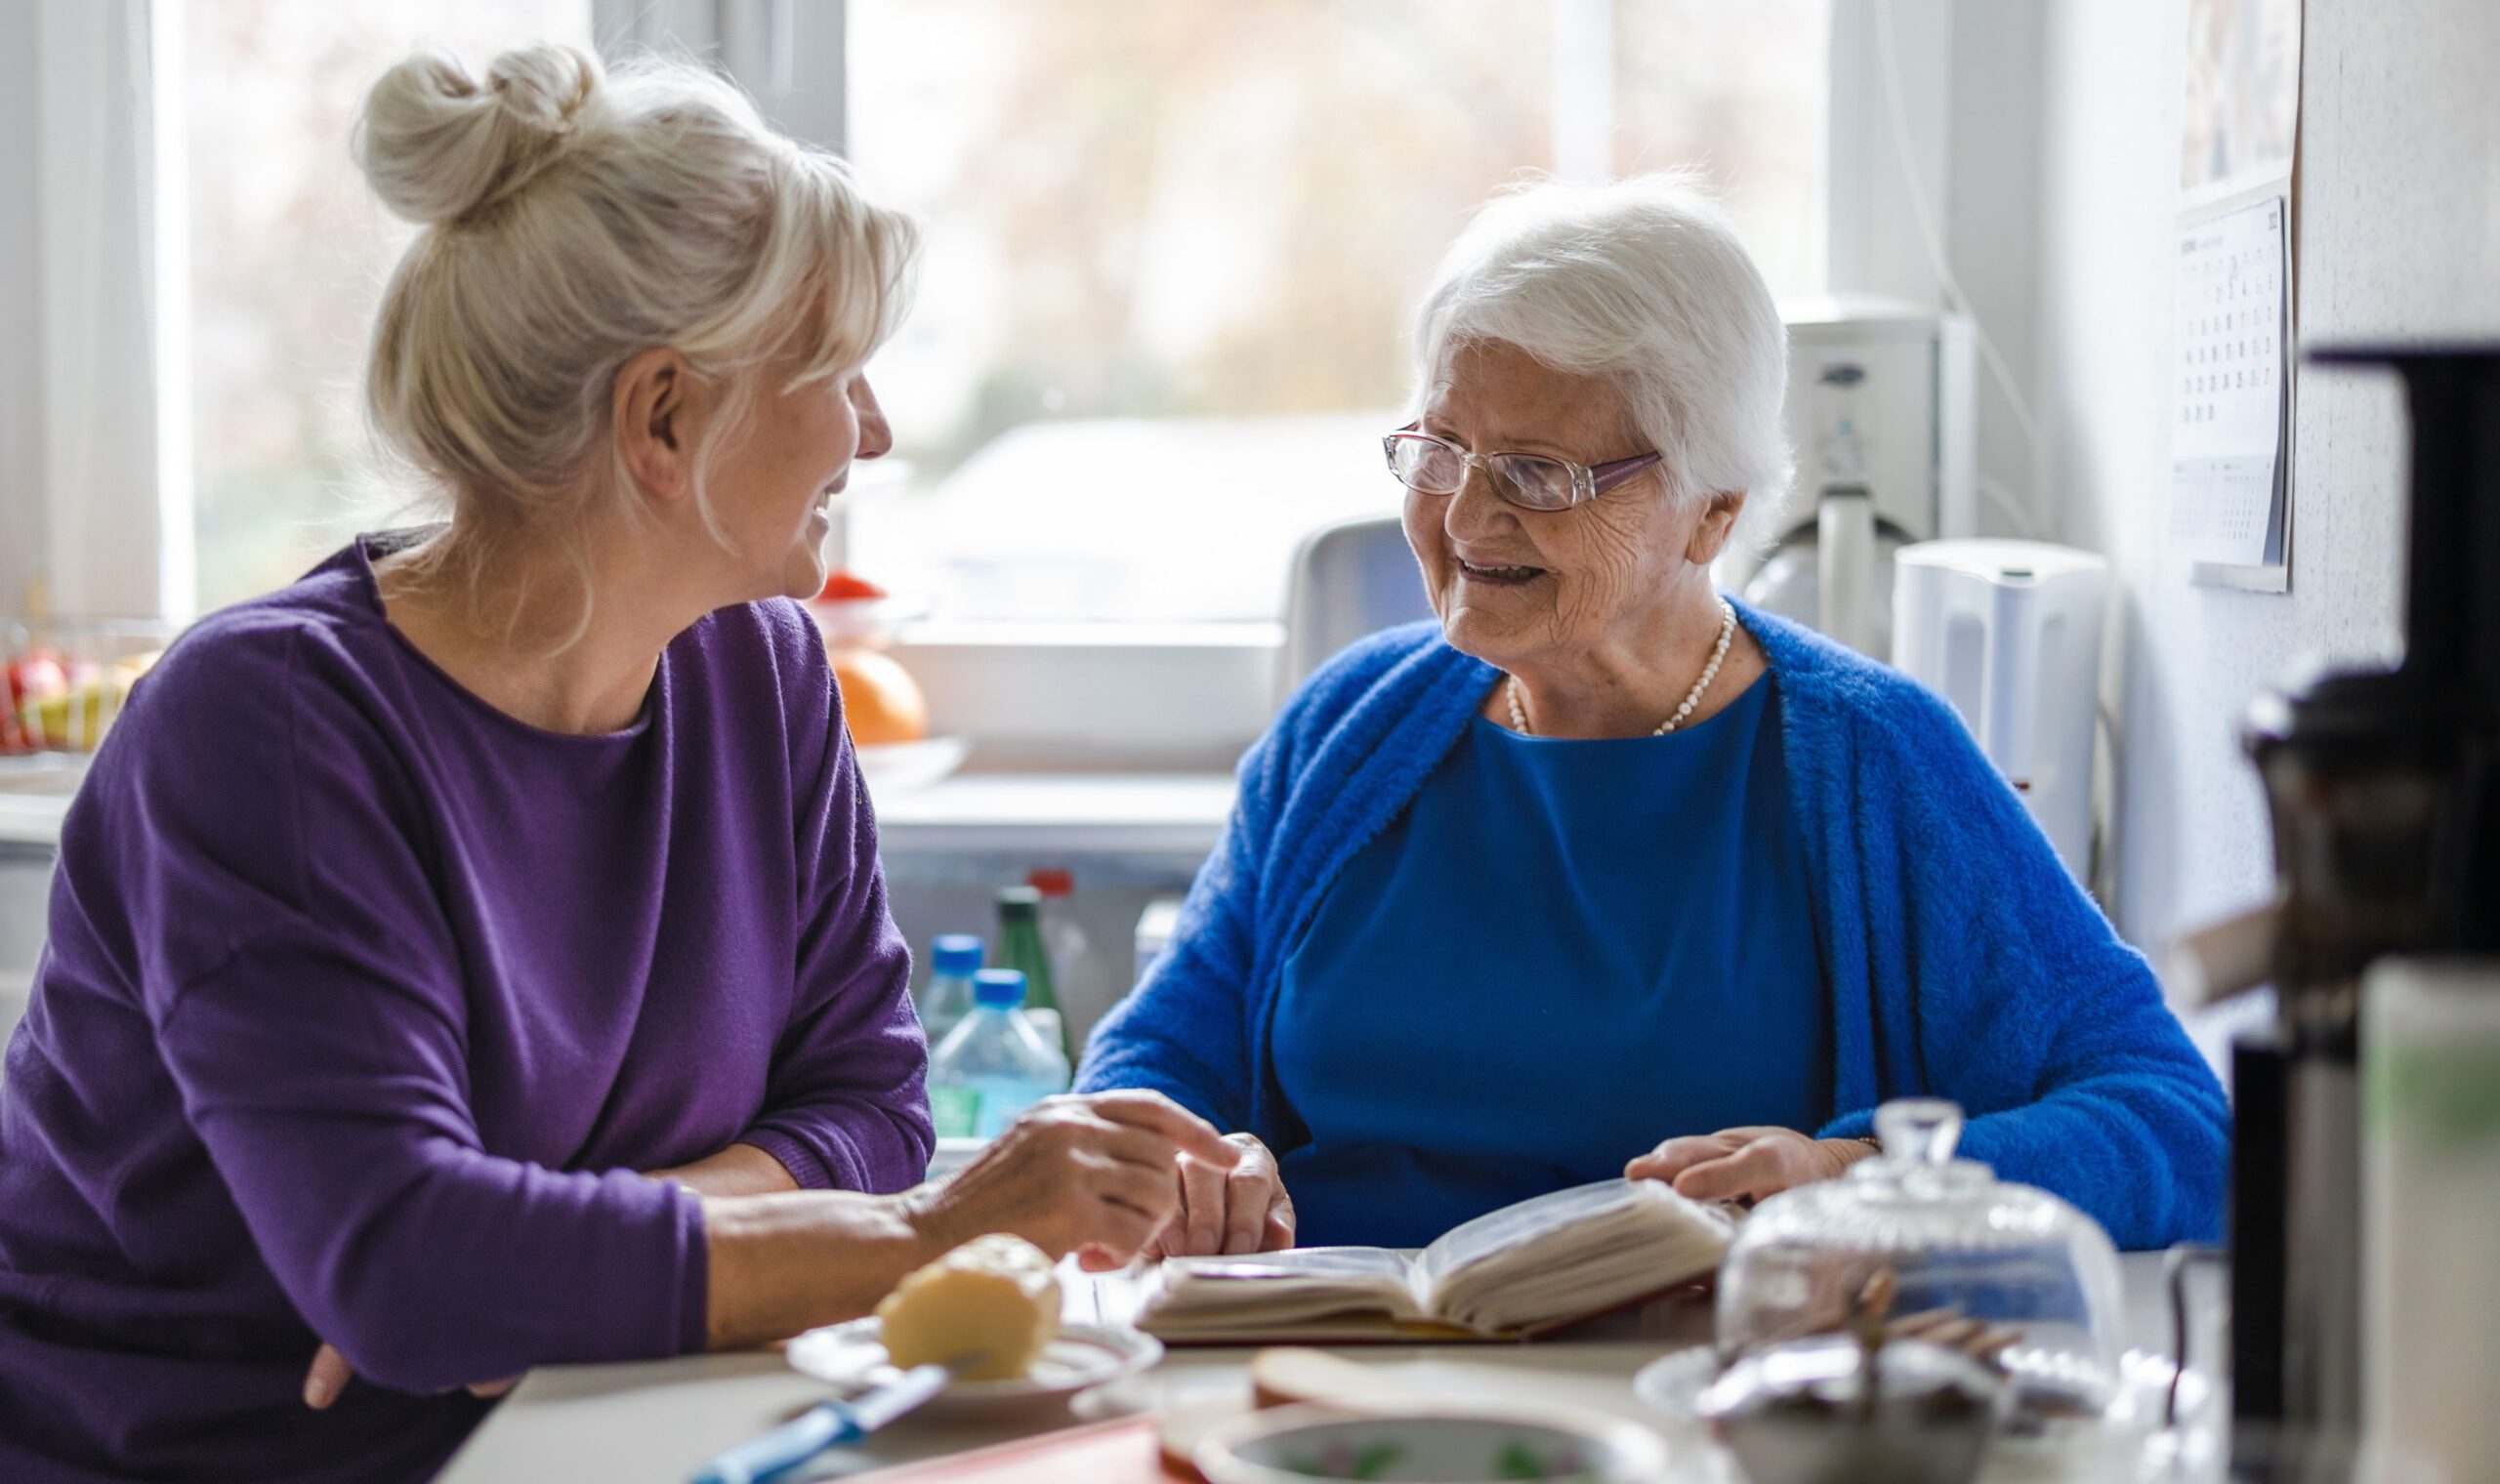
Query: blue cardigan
x=1964 y=961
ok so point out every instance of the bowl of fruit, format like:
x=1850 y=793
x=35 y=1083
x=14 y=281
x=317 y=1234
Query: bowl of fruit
x=65 y=682
x=880 y=703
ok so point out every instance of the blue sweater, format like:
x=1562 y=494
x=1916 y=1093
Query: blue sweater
x=1964 y=962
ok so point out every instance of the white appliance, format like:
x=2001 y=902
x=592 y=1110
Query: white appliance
x=2009 y=632
x=1880 y=412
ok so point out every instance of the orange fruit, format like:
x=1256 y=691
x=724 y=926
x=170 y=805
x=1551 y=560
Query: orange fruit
x=845 y=587
x=880 y=700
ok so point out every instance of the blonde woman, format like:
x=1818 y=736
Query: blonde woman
x=475 y=955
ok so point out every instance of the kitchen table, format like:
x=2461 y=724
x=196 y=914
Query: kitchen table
x=654 y=1423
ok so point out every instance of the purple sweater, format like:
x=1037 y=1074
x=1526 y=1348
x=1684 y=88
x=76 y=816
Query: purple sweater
x=364 y=1004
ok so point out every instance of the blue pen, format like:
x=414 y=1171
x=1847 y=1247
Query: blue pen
x=771 y=1455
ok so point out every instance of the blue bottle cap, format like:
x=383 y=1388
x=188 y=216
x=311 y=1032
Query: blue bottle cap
x=1002 y=988
x=956 y=953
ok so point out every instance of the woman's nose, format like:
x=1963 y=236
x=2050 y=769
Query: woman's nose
x=1475 y=511
x=876 y=435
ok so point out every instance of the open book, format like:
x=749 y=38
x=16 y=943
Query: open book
x=1537 y=1265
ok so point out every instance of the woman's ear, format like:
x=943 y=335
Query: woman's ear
x=1717 y=523
x=658 y=407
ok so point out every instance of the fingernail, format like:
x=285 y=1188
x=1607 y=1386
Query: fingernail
x=318 y=1392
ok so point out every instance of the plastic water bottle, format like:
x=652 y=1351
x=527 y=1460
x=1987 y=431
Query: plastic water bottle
x=993 y=1065
x=953 y=958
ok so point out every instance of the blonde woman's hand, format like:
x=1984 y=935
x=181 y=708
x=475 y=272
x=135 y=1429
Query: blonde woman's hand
x=1745 y=1165
x=330 y=1374
x=1085 y=1174
x=1229 y=1211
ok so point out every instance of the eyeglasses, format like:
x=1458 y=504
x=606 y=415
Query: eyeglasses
x=1531 y=482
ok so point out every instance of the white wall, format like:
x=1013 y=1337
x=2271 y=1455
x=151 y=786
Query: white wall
x=1991 y=226
x=1968 y=74
x=2398 y=235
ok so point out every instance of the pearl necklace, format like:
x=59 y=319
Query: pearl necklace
x=1693 y=697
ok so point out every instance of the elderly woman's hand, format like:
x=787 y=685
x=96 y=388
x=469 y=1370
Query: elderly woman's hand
x=1228 y=1212
x=1745 y=1164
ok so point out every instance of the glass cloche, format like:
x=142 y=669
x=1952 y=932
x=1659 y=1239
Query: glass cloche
x=1930 y=1247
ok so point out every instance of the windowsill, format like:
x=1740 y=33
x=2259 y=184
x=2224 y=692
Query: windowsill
x=1266 y=635
x=1058 y=815
x=1157 y=699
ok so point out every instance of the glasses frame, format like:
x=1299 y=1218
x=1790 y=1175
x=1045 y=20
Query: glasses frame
x=1587 y=480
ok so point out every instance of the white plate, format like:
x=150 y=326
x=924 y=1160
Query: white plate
x=850 y=1358
x=2128 y=1441
x=895 y=766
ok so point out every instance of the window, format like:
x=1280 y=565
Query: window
x=288 y=251
x=1173 y=249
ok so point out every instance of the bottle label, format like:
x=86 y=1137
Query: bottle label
x=956 y=1111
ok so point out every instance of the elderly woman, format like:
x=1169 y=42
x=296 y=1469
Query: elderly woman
x=1604 y=868
x=475 y=955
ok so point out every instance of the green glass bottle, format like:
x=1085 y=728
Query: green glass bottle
x=1020 y=946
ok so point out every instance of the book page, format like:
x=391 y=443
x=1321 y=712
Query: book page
x=1560 y=1256
x=1570 y=1255
x=1267 y=1290
x=1327 y=1264
x=1496 y=1232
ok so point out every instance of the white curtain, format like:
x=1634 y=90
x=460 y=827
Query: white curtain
x=89 y=293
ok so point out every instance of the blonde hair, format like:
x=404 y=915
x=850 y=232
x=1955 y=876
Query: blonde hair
x=574 y=219
x=1643 y=282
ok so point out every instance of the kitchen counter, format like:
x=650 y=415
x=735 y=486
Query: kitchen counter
x=655 y=1421
x=34 y=794
x=32 y=823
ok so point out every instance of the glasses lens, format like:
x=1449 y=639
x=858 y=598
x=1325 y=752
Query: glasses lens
x=1534 y=482
x=1426 y=464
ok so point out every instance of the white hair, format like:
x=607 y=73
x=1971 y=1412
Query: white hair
x=574 y=219
x=1643 y=283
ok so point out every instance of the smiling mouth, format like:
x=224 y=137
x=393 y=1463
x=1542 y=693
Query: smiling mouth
x=1498 y=576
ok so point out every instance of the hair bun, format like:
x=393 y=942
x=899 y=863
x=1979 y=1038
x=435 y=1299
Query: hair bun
x=437 y=144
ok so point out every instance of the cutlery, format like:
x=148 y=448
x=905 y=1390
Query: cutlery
x=829 y=1424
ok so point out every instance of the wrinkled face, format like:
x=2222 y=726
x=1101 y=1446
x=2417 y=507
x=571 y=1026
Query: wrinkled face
x=1515 y=586
x=773 y=489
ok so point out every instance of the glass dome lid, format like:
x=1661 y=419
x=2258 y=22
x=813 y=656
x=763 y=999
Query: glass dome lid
x=1934 y=1248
